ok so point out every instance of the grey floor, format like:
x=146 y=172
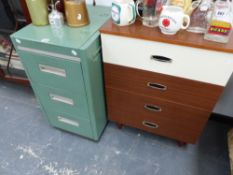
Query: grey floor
x=29 y=146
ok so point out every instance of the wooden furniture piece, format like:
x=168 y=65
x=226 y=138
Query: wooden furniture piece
x=64 y=68
x=167 y=85
x=25 y=10
x=8 y=76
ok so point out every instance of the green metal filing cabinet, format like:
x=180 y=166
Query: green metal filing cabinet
x=64 y=67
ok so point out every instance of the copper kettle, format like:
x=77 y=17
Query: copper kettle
x=76 y=13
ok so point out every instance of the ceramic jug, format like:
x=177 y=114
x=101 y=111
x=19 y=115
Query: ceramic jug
x=172 y=19
x=38 y=10
x=76 y=13
x=123 y=12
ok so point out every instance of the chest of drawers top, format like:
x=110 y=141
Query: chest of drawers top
x=182 y=38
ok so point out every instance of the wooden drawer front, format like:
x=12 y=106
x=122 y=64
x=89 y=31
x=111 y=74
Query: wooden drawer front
x=176 y=121
x=71 y=123
x=53 y=71
x=186 y=62
x=71 y=102
x=193 y=93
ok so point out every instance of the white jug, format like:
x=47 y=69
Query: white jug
x=123 y=12
x=172 y=19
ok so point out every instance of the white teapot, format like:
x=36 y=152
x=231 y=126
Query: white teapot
x=123 y=12
x=172 y=19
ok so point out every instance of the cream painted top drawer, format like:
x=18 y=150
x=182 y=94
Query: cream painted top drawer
x=187 y=62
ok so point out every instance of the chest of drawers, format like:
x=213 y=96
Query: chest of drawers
x=64 y=68
x=167 y=85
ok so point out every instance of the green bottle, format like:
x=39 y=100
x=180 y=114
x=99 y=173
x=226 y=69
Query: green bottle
x=38 y=10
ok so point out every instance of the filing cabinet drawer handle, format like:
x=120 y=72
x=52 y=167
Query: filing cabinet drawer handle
x=153 y=108
x=161 y=59
x=68 y=121
x=157 y=86
x=150 y=124
x=52 y=70
x=62 y=99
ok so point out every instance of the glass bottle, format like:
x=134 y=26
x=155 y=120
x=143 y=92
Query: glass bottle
x=56 y=19
x=199 y=16
x=220 y=25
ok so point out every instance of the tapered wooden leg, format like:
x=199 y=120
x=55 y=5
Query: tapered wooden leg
x=119 y=125
x=181 y=144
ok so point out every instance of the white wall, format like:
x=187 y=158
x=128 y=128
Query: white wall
x=101 y=2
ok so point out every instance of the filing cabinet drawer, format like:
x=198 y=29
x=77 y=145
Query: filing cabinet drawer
x=184 y=91
x=156 y=115
x=70 y=102
x=185 y=62
x=70 y=123
x=53 y=71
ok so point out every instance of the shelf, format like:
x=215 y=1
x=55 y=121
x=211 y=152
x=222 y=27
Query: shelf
x=5 y=46
x=6 y=31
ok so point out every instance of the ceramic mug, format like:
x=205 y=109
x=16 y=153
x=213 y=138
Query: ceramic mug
x=172 y=19
x=123 y=12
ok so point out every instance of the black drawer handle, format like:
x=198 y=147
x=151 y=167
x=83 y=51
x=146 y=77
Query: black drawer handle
x=157 y=86
x=150 y=124
x=161 y=58
x=153 y=108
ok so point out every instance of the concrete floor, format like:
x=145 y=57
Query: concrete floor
x=29 y=146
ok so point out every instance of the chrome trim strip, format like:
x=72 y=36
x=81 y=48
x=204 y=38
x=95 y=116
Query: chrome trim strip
x=52 y=54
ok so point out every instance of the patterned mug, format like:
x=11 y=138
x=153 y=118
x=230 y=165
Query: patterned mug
x=123 y=12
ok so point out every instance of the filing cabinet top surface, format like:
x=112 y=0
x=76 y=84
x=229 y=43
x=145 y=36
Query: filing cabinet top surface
x=66 y=36
x=184 y=38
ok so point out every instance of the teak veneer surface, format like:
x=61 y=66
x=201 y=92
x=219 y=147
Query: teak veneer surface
x=137 y=30
x=134 y=105
x=124 y=107
x=191 y=93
